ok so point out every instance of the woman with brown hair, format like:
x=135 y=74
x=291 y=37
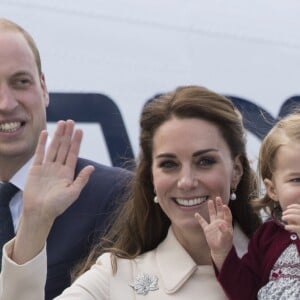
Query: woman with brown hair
x=192 y=149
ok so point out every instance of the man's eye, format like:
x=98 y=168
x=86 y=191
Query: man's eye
x=21 y=82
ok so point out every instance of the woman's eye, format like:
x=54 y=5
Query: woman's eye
x=206 y=161
x=167 y=164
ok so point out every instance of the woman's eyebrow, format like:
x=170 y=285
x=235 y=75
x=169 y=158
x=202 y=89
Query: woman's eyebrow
x=200 y=152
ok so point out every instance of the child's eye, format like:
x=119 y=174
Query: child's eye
x=295 y=179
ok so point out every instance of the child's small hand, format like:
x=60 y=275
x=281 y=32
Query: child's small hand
x=292 y=217
x=219 y=232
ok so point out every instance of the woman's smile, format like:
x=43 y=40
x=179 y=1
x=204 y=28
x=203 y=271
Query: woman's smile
x=190 y=202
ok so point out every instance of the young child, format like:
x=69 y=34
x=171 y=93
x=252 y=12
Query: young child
x=271 y=268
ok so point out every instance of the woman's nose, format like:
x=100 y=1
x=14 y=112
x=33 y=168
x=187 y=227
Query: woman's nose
x=187 y=181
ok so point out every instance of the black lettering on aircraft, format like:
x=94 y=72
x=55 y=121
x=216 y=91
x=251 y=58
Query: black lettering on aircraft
x=99 y=108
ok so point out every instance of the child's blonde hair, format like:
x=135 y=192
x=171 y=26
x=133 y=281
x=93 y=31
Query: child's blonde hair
x=285 y=130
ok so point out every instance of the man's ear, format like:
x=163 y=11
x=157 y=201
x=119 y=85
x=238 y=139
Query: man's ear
x=270 y=189
x=237 y=171
x=45 y=89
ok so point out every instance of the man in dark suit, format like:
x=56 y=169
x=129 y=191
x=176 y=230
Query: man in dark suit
x=23 y=101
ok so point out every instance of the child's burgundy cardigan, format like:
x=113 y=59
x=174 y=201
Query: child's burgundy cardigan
x=242 y=278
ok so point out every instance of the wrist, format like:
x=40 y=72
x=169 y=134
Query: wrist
x=219 y=258
x=30 y=239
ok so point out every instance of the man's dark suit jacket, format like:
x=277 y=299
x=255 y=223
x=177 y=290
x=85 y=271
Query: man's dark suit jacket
x=82 y=224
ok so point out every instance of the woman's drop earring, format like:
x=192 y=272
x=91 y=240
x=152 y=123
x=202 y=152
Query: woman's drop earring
x=232 y=195
x=155 y=199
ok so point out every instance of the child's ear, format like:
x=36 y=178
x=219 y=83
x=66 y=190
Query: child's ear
x=270 y=189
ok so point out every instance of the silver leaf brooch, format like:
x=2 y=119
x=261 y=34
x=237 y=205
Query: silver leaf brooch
x=144 y=283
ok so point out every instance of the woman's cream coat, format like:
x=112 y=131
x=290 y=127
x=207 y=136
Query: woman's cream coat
x=168 y=272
